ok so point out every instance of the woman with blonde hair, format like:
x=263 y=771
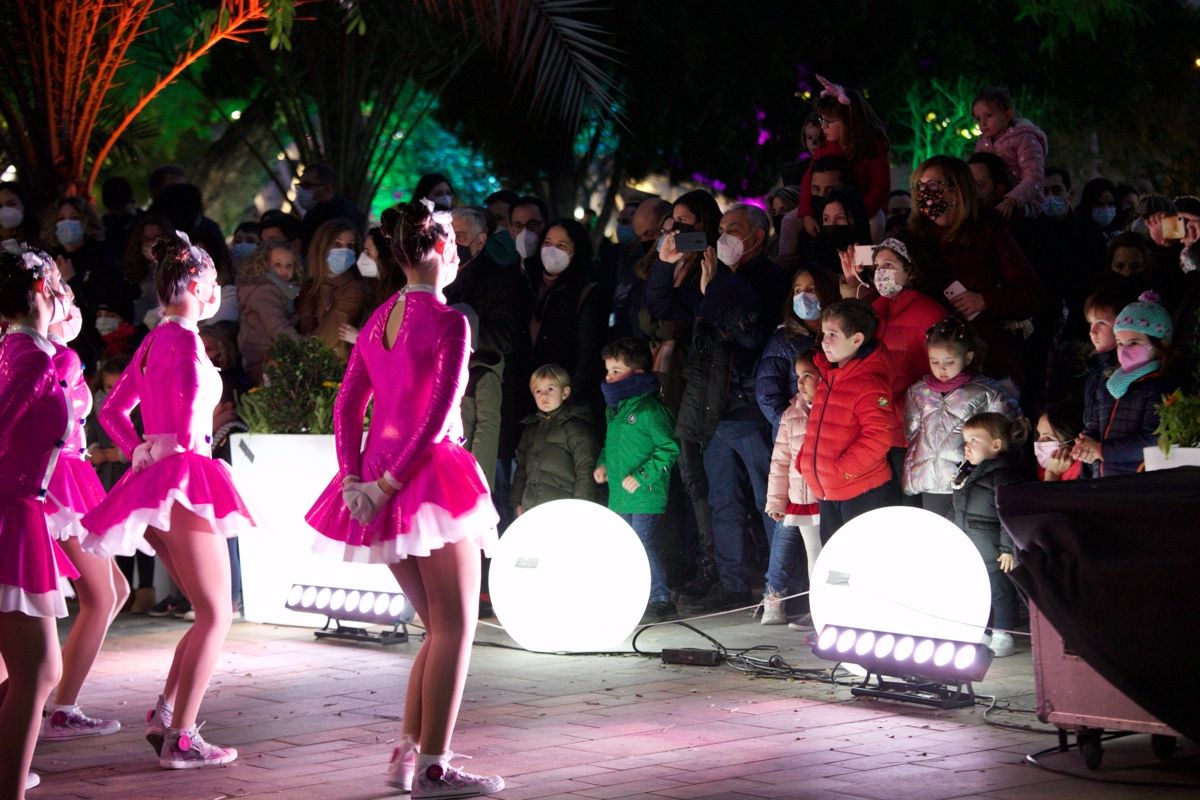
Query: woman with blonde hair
x=334 y=294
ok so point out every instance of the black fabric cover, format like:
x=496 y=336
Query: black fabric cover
x=1114 y=564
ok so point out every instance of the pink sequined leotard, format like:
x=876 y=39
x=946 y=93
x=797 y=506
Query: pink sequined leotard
x=415 y=386
x=74 y=487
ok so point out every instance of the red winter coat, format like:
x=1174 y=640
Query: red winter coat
x=850 y=426
x=872 y=178
x=903 y=321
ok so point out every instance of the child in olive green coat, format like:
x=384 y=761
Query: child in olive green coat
x=639 y=449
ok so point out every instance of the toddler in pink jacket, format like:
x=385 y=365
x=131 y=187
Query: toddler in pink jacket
x=1018 y=141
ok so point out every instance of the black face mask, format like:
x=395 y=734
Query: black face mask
x=839 y=237
x=897 y=220
x=777 y=223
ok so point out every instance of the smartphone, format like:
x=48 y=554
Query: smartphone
x=864 y=255
x=691 y=242
x=1172 y=227
x=954 y=290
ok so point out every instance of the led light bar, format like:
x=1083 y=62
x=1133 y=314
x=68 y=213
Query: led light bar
x=354 y=605
x=927 y=666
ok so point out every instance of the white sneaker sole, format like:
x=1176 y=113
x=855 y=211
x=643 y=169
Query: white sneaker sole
x=194 y=764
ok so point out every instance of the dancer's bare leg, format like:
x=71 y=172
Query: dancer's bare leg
x=449 y=580
x=201 y=568
x=409 y=577
x=29 y=647
x=171 y=687
x=102 y=591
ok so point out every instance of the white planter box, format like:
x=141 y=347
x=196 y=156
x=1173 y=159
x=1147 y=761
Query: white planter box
x=1178 y=457
x=280 y=476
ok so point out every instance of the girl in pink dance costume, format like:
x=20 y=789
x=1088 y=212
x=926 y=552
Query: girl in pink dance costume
x=36 y=421
x=176 y=497
x=102 y=589
x=414 y=499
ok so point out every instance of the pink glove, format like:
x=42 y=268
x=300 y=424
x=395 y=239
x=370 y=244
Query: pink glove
x=364 y=499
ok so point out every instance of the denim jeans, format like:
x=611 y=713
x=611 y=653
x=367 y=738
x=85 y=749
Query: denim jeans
x=737 y=446
x=646 y=528
x=1004 y=600
x=793 y=553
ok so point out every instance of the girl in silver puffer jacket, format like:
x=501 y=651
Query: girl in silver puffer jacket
x=935 y=409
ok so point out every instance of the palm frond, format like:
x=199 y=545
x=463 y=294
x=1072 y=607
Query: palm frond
x=554 y=47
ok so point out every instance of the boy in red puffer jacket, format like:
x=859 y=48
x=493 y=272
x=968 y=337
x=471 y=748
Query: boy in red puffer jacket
x=851 y=424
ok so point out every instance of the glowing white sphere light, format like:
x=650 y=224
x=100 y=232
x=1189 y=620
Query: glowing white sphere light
x=569 y=576
x=903 y=570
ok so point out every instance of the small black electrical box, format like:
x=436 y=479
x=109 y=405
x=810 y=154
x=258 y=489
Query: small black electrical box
x=693 y=656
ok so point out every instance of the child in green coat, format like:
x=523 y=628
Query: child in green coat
x=639 y=449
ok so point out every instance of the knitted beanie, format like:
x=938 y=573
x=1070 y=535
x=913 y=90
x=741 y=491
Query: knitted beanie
x=1145 y=316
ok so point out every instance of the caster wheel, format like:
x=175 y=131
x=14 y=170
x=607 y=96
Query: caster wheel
x=1089 y=746
x=1163 y=746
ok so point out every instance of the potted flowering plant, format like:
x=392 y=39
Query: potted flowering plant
x=301 y=382
x=1179 y=425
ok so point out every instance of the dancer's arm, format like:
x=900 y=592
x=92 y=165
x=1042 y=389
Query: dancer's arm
x=115 y=414
x=348 y=412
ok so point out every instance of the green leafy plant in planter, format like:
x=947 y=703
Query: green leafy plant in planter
x=1179 y=412
x=301 y=380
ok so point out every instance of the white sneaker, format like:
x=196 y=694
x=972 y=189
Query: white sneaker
x=1002 y=644
x=70 y=722
x=442 y=780
x=404 y=764
x=186 y=749
x=32 y=779
x=773 y=611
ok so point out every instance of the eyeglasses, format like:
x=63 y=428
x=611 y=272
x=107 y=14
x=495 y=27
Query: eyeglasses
x=933 y=186
x=826 y=121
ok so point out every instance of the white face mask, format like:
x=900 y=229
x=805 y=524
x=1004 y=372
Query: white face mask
x=209 y=309
x=730 y=249
x=72 y=325
x=106 y=325
x=555 y=260
x=11 y=217
x=526 y=242
x=367 y=266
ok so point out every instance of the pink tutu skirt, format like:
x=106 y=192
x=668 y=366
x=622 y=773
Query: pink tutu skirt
x=446 y=501
x=34 y=568
x=74 y=491
x=117 y=526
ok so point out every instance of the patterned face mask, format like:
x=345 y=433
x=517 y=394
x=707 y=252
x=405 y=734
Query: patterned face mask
x=886 y=283
x=931 y=199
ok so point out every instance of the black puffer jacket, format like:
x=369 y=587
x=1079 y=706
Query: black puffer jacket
x=556 y=457
x=974 y=505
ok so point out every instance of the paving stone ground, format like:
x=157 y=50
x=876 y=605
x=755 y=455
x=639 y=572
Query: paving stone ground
x=318 y=720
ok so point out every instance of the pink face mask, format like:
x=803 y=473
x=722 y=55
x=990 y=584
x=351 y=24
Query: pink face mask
x=1135 y=355
x=1044 y=451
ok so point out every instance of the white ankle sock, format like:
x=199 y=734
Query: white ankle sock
x=424 y=761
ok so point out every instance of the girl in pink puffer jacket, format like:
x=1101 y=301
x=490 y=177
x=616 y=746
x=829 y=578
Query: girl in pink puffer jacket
x=789 y=500
x=1018 y=141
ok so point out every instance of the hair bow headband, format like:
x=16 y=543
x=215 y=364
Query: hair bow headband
x=834 y=90
x=896 y=246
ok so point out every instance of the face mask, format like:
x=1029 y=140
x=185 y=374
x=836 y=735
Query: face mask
x=886 y=283
x=1189 y=257
x=1044 y=451
x=1104 y=216
x=932 y=201
x=554 y=260
x=807 y=306
x=304 y=198
x=464 y=253
x=839 y=237
x=209 y=309
x=242 y=250
x=106 y=325
x=526 y=243
x=625 y=233
x=69 y=232
x=73 y=324
x=1134 y=356
x=442 y=202
x=730 y=249
x=1055 y=206
x=339 y=259
x=367 y=266
x=11 y=217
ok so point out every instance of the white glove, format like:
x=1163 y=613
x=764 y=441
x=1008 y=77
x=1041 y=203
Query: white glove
x=142 y=456
x=364 y=500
